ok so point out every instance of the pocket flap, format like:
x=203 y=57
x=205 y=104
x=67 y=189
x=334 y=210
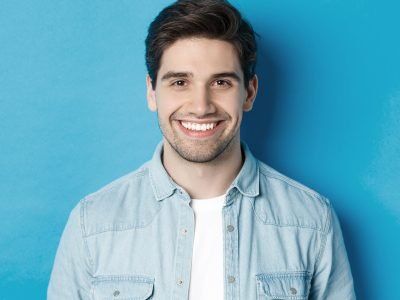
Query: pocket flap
x=284 y=285
x=123 y=287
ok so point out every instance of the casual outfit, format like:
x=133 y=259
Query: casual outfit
x=137 y=238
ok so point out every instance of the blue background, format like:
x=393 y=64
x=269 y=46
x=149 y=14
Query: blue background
x=73 y=117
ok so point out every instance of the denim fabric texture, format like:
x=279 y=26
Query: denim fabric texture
x=133 y=239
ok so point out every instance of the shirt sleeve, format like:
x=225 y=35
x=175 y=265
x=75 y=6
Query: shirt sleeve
x=332 y=278
x=71 y=276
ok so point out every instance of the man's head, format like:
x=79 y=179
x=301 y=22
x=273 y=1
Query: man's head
x=201 y=59
x=213 y=19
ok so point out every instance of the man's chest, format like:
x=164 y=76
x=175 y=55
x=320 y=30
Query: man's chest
x=259 y=260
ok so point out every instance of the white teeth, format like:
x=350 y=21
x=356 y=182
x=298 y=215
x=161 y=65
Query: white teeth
x=198 y=127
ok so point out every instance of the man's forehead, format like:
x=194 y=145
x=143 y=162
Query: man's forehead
x=200 y=55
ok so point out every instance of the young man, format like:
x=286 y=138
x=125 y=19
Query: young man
x=203 y=219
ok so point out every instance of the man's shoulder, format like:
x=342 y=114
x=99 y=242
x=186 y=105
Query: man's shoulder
x=115 y=187
x=286 y=202
x=116 y=206
x=273 y=176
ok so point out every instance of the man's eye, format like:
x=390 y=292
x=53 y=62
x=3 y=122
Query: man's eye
x=222 y=83
x=179 y=83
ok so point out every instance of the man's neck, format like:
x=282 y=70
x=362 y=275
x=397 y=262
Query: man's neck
x=204 y=180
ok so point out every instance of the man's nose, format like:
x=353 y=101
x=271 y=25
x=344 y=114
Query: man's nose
x=201 y=103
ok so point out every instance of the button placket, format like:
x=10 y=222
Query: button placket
x=231 y=248
x=184 y=247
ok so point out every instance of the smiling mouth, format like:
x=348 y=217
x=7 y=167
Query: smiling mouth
x=202 y=130
x=199 y=126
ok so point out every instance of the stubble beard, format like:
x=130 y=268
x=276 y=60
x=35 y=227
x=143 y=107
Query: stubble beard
x=197 y=151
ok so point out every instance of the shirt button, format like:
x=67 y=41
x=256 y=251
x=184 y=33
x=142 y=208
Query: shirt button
x=293 y=291
x=184 y=231
x=231 y=279
x=116 y=293
x=180 y=282
x=231 y=228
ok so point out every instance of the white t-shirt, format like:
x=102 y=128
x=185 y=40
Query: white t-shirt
x=207 y=275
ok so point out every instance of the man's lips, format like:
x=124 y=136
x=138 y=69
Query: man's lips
x=199 y=129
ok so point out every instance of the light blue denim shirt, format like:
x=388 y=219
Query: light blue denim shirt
x=133 y=239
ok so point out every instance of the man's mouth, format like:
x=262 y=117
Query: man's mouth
x=204 y=129
x=199 y=126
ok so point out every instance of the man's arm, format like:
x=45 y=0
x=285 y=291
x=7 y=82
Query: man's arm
x=70 y=278
x=332 y=276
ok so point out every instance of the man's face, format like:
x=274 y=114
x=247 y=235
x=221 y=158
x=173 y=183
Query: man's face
x=200 y=97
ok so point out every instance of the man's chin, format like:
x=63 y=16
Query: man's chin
x=201 y=151
x=195 y=155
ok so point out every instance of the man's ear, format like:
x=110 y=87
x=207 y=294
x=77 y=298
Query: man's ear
x=151 y=95
x=251 y=94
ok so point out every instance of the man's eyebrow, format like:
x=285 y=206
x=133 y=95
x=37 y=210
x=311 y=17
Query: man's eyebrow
x=172 y=74
x=232 y=75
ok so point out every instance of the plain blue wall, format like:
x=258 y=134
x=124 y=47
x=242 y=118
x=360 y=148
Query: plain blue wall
x=73 y=117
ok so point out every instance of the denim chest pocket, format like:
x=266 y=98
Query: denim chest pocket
x=283 y=286
x=122 y=288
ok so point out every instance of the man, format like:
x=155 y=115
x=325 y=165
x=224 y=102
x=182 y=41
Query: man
x=203 y=219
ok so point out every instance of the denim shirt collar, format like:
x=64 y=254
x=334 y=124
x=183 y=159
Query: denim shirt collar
x=246 y=182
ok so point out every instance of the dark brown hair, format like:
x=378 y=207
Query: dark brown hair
x=215 y=19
